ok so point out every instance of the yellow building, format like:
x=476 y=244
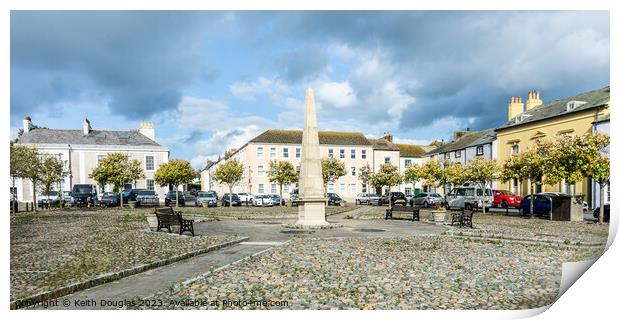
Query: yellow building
x=537 y=120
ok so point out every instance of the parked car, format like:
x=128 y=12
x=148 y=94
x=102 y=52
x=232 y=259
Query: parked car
x=48 y=199
x=362 y=198
x=245 y=197
x=396 y=198
x=374 y=199
x=130 y=194
x=426 y=199
x=294 y=197
x=171 y=199
x=262 y=200
x=228 y=198
x=207 y=197
x=147 y=198
x=465 y=196
x=110 y=199
x=542 y=205
x=333 y=199
x=275 y=199
x=67 y=199
x=504 y=199
x=84 y=194
x=216 y=195
x=597 y=213
x=190 y=200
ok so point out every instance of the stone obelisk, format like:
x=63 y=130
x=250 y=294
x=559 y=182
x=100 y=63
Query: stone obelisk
x=311 y=190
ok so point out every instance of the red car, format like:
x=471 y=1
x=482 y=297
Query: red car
x=503 y=198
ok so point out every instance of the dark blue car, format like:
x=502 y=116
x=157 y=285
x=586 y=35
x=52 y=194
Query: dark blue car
x=542 y=203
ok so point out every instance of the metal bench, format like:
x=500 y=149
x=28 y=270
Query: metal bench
x=415 y=212
x=463 y=218
x=167 y=217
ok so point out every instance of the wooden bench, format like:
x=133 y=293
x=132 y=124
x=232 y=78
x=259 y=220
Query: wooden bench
x=463 y=218
x=167 y=217
x=415 y=212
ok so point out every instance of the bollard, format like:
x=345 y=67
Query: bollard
x=507 y=210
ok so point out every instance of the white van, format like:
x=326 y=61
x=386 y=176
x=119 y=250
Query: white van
x=458 y=196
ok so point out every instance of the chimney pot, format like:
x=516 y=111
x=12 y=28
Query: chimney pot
x=26 y=124
x=86 y=128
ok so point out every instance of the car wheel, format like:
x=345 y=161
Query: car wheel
x=468 y=206
x=425 y=204
x=504 y=204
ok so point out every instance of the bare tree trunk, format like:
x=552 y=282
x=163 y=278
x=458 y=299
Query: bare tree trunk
x=280 y=195
x=484 y=189
x=34 y=196
x=121 y=195
x=601 y=211
x=177 y=196
x=532 y=197
x=230 y=196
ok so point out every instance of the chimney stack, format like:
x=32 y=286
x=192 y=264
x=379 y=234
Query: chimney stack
x=533 y=100
x=515 y=107
x=388 y=136
x=27 y=124
x=86 y=128
x=148 y=130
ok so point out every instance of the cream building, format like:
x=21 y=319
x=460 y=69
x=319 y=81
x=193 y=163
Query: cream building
x=352 y=148
x=536 y=120
x=81 y=150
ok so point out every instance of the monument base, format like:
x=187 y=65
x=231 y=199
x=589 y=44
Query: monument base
x=311 y=213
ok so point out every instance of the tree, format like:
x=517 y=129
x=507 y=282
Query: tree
x=175 y=172
x=530 y=164
x=116 y=169
x=26 y=164
x=52 y=172
x=457 y=174
x=332 y=170
x=386 y=176
x=230 y=173
x=282 y=172
x=412 y=174
x=435 y=173
x=595 y=149
x=480 y=171
x=365 y=174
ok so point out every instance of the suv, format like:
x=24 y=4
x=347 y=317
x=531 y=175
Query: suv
x=426 y=199
x=504 y=199
x=84 y=194
x=333 y=199
x=227 y=199
x=395 y=197
x=468 y=197
x=171 y=198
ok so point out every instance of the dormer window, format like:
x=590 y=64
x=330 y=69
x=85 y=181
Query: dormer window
x=572 y=105
x=522 y=117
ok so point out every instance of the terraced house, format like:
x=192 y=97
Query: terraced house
x=352 y=148
x=81 y=151
x=576 y=115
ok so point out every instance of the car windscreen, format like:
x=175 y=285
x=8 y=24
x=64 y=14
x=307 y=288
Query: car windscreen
x=109 y=194
x=82 y=189
x=206 y=194
x=146 y=193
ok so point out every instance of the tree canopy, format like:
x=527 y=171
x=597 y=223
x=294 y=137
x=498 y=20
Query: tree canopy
x=282 y=172
x=332 y=169
x=230 y=173
x=386 y=176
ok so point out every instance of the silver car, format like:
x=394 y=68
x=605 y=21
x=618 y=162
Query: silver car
x=206 y=197
x=362 y=198
x=147 y=198
x=461 y=197
x=426 y=199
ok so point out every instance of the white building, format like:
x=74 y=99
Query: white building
x=352 y=148
x=81 y=151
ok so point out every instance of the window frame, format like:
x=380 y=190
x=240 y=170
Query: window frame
x=146 y=163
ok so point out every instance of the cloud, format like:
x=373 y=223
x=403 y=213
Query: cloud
x=337 y=94
x=138 y=62
x=303 y=63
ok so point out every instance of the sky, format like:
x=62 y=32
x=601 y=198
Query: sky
x=212 y=80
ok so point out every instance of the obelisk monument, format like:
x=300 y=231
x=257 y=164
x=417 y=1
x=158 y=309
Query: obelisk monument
x=311 y=190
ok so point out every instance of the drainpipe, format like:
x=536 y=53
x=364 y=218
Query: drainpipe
x=70 y=170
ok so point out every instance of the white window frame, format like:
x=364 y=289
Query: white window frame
x=330 y=187
x=102 y=157
x=147 y=184
x=512 y=148
x=387 y=160
x=330 y=153
x=353 y=171
x=261 y=188
x=273 y=188
x=343 y=188
x=342 y=154
x=297 y=153
x=363 y=153
x=457 y=154
x=353 y=188
x=260 y=171
x=260 y=153
x=408 y=163
x=285 y=153
x=272 y=152
x=146 y=168
x=480 y=150
x=353 y=155
x=285 y=188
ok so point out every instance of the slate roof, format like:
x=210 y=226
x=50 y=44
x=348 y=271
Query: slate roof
x=410 y=150
x=470 y=139
x=95 y=137
x=325 y=137
x=382 y=144
x=595 y=98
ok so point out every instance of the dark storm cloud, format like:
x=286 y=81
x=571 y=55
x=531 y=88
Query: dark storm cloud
x=467 y=64
x=138 y=61
x=303 y=63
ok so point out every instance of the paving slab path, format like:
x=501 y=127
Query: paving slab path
x=263 y=234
